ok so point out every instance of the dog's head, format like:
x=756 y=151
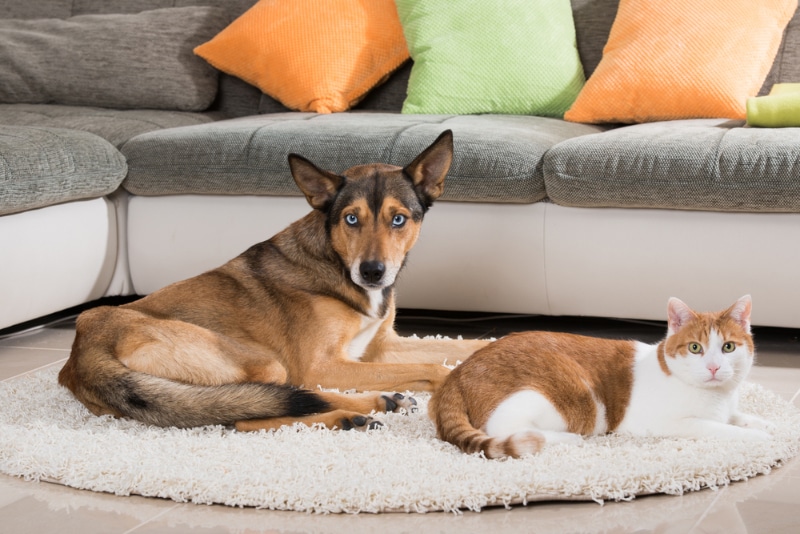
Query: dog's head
x=374 y=211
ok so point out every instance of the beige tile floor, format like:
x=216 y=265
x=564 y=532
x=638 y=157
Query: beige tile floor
x=766 y=504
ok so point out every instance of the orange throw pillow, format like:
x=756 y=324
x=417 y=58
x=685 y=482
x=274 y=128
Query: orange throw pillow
x=682 y=59
x=311 y=55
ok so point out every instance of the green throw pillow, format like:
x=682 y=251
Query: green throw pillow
x=491 y=56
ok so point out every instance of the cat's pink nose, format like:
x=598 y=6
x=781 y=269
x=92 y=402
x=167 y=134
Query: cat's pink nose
x=713 y=369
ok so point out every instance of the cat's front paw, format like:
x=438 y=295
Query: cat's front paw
x=746 y=433
x=753 y=434
x=752 y=422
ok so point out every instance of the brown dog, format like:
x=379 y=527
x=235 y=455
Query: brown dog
x=313 y=306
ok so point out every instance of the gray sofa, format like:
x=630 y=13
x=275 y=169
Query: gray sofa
x=157 y=168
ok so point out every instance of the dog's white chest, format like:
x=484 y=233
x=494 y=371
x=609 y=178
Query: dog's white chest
x=357 y=346
x=369 y=327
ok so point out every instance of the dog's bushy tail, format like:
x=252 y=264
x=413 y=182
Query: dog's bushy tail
x=163 y=402
x=108 y=386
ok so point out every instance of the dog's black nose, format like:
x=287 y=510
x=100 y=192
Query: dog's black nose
x=372 y=271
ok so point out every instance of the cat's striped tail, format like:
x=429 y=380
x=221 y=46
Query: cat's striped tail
x=449 y=414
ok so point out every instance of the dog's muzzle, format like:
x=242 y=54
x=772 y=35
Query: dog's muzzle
x=372 y=272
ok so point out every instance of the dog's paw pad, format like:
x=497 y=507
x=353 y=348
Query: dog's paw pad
x=374 y=424
x=360 y=423
x=395 y=402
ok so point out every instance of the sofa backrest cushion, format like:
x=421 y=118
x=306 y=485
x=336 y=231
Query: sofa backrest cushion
x=234 y=97
x=786 y=67
x=120 y=61
x=62 y=9
x=593 y=20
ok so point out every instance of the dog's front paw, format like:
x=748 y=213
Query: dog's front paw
x=396 y=402
x=358 y=422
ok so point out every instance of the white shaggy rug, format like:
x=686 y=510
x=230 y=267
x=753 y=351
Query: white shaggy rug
x=45 y=434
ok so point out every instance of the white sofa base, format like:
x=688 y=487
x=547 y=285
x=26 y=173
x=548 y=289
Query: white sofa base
x=628 y=262
x=55 y=258
x=533 y=258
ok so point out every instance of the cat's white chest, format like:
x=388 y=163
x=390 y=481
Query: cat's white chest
x=659 y=402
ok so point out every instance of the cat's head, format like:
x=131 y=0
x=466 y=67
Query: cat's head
x=709 y=350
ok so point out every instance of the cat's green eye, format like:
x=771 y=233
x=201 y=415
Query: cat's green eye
x=730 y=346
x=695 y=348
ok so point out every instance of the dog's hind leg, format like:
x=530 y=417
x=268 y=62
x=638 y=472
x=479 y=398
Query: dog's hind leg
x=348 y=412
x=369 y=401
x=376 y=376
x=335 y=420
x=393 y=348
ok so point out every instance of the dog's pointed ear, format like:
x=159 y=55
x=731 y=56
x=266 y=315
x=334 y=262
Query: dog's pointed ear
x=317 y=185
x=429 y=169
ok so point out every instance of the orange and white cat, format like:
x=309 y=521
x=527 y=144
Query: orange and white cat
x=515 y=395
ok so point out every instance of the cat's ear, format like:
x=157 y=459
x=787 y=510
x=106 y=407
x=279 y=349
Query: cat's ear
x=740 y=312
x=678 y=314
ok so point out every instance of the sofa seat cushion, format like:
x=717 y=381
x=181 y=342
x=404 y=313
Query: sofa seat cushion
x=699 y=164
x=44 y=166
x=497 y=157
x=115 y=126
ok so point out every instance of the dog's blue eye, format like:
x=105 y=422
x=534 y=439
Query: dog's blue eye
x=398 y=221
x=351 y=219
